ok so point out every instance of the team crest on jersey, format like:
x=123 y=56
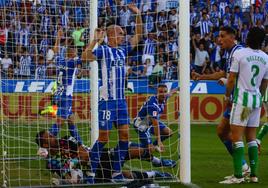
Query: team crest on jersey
x=154 y=113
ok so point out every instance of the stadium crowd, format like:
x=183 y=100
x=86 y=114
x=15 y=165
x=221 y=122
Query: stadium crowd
x=28 y=30
x=206 y=18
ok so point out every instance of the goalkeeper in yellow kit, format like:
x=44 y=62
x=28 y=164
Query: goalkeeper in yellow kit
x=51 y=109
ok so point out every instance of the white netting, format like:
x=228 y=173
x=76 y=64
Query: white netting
x=30 y=51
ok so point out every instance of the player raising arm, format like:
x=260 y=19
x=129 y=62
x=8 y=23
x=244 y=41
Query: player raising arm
x=66 y=64
x=112 y=103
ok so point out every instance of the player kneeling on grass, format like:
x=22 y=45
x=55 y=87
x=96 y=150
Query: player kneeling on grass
x=148 y=123
x=69 y=160
x=249 y=73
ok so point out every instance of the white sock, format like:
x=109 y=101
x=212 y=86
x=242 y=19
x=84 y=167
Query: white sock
x=258 y=141
x=245 y=167
x=115 y=174
x=156 y=160
x=150 y=174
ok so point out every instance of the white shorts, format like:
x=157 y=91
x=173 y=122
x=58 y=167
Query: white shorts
x=253 y=120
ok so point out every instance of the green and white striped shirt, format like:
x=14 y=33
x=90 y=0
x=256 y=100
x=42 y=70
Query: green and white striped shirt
x=251 y=67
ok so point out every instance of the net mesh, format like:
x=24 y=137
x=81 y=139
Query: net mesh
x=30 y=56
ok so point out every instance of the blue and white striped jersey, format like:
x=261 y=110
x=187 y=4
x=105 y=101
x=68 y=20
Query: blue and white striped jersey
x=149 y=47
x=40 y=72
x=25 y=66
x=204 y=26
x=66 y=74
x=112 y=71
x=24 y=36
x=229 y=57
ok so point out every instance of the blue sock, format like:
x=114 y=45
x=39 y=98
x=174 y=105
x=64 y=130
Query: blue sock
x=74 y=133
x=162 y=138
x=95 y=155
x=119 y=155
x=54 y=129
x=229 y=146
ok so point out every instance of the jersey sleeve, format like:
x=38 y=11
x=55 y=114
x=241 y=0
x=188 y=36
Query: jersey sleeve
x=235 y=63
x=98 y=52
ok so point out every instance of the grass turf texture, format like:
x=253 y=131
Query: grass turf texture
x=210 y=161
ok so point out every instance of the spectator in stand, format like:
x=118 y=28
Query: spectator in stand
x=65 y=13
x=149 y=49
x=172 y=47
x=227 y=17
x=193 y=16
x=44 y=45
x=79 y=39
x=5 y=63
x=24 y=35
x=201 y=56
x=124 y=16
x=161 y=19
x=242 y=34
x=136 y=69
x=171 y=70
x=45 y=23
x=40 y=70
x=237 y=18
x=10 y=73
x=173 y=17
x=204 y=24
x=157 y=73
x=149 y=21
x=256 y=15
x=215 y=16
x=79 y=13
x=25 y=64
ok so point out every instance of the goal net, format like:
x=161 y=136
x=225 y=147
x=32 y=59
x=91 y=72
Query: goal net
x=37 y=40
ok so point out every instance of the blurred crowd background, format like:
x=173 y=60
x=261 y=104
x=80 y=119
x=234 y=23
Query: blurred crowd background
x=28 y=29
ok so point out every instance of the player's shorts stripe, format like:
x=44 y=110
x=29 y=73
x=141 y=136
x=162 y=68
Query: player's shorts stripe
x=245 y=99
x=265 y=97
x=254 y=101
x=236 y=91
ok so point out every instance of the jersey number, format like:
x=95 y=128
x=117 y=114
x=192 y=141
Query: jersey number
x=255 y=69
x=106 y=114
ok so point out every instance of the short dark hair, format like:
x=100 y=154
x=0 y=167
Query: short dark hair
x=228 y=30
x=39 y=140
x=162 y=85
x=255 y=37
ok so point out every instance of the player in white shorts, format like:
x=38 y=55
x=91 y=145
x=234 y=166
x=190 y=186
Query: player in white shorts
x=248 y=77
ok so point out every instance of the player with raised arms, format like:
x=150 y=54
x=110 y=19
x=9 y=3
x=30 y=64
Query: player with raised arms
x=66 y=68
x=112 y=59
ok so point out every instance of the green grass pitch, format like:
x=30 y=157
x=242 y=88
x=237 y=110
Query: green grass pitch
x=209 y=159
